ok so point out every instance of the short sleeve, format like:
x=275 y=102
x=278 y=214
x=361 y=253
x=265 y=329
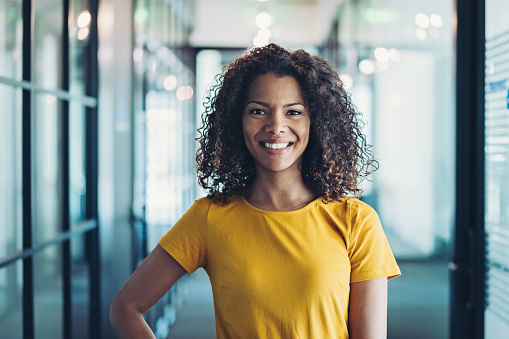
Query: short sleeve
x=186 y=241
x=369 y=251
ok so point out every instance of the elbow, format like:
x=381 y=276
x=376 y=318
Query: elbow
x=118 y=313
x=114 y=314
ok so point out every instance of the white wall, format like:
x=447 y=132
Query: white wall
x=404 y=146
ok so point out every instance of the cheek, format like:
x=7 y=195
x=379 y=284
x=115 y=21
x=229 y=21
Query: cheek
x=304 y=131
x=245 y=130
x=247 y=134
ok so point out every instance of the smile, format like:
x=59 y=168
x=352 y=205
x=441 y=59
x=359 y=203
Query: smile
x=276 y=145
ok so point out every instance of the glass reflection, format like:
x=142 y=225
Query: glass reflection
x=48 y=297
x=77 y=148
x=169 y=130
x=79 y=29
x=11 y=39
x=47 y=43
x=47 y=179
x=11 y=301
x=80 y=289
x=10 y=170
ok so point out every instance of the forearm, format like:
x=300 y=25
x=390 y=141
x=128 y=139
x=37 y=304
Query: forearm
x=129 y=323
x=155 y=276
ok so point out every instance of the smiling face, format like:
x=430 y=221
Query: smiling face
x=275 y=123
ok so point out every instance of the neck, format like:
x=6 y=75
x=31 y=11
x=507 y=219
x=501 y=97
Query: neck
x=277 y=192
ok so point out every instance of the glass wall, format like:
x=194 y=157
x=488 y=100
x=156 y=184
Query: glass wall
x=396 y=60
x=11 y=278
x=164 y=129
x=11 y=39
x=497 y=169
x=45 y=175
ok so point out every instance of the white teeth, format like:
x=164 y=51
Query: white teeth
x=277 y=146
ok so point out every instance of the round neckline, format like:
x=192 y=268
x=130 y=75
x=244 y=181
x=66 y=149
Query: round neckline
x=259 y=210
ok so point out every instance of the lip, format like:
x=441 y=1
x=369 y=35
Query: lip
x=278 y=151
x=275 y=141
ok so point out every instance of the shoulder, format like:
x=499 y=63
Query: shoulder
x=199 y=209
x=350 y=206
x=359 y=207
x=203 y=203
x=207 y=204
x=351 y=215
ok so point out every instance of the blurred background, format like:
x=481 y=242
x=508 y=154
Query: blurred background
x=100 y=102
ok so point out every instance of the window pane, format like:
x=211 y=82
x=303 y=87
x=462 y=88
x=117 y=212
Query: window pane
x=77 y=162
x=48 y=297
x=10 y=170
x=47 y=178
x=80 y=287
x=11 y=301
x=169 y=134
x=79 y=29
x=497 y=169
x=47 y=43
x=11 y=26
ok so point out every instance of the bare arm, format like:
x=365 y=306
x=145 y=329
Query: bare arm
x=153 y=278
x=368 y=309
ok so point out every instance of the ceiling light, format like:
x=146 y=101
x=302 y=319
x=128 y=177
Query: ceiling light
x=436 y=20
x=84 y=19
x=184 y=93
x=83 y=33
x=394 y=54
x=367 y=66
x=382 y=54
x=170 y=82
x=422 y=20
x=264 y=33
x=421 y=34
x=259 y=41
x=263 y=20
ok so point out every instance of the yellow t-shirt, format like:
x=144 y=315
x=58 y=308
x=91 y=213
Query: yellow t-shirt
x=282 y=274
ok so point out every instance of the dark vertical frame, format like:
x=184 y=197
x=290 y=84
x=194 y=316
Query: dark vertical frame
x=467 y=265
x=26 y=129
x=92 y=239
x=65 y=193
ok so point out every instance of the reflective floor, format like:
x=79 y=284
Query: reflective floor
x=418 y=301
x=196 y=318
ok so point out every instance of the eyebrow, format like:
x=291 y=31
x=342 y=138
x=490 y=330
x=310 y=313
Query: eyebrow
x=264 y=104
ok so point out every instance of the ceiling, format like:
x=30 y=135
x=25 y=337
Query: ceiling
x=231 y=23
x=306 y=23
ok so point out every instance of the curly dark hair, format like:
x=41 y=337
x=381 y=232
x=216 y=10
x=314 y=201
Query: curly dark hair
x=337 y=157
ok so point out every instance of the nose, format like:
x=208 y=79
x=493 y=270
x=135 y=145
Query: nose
x=276 y=125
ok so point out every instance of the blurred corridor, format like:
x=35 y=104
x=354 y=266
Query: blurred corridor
x=101 y=100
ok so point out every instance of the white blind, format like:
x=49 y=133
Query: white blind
x=497 y=175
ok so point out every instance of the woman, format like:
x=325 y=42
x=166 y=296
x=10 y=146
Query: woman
x=288 y=253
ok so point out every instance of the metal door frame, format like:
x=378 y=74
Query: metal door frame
x=467 y=266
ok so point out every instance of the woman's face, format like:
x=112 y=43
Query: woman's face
x=275 y=123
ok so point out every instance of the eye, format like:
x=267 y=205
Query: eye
x=256 y=111
x=294 y=112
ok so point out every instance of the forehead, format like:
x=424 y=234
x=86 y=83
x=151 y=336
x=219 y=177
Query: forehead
x=270 y=85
